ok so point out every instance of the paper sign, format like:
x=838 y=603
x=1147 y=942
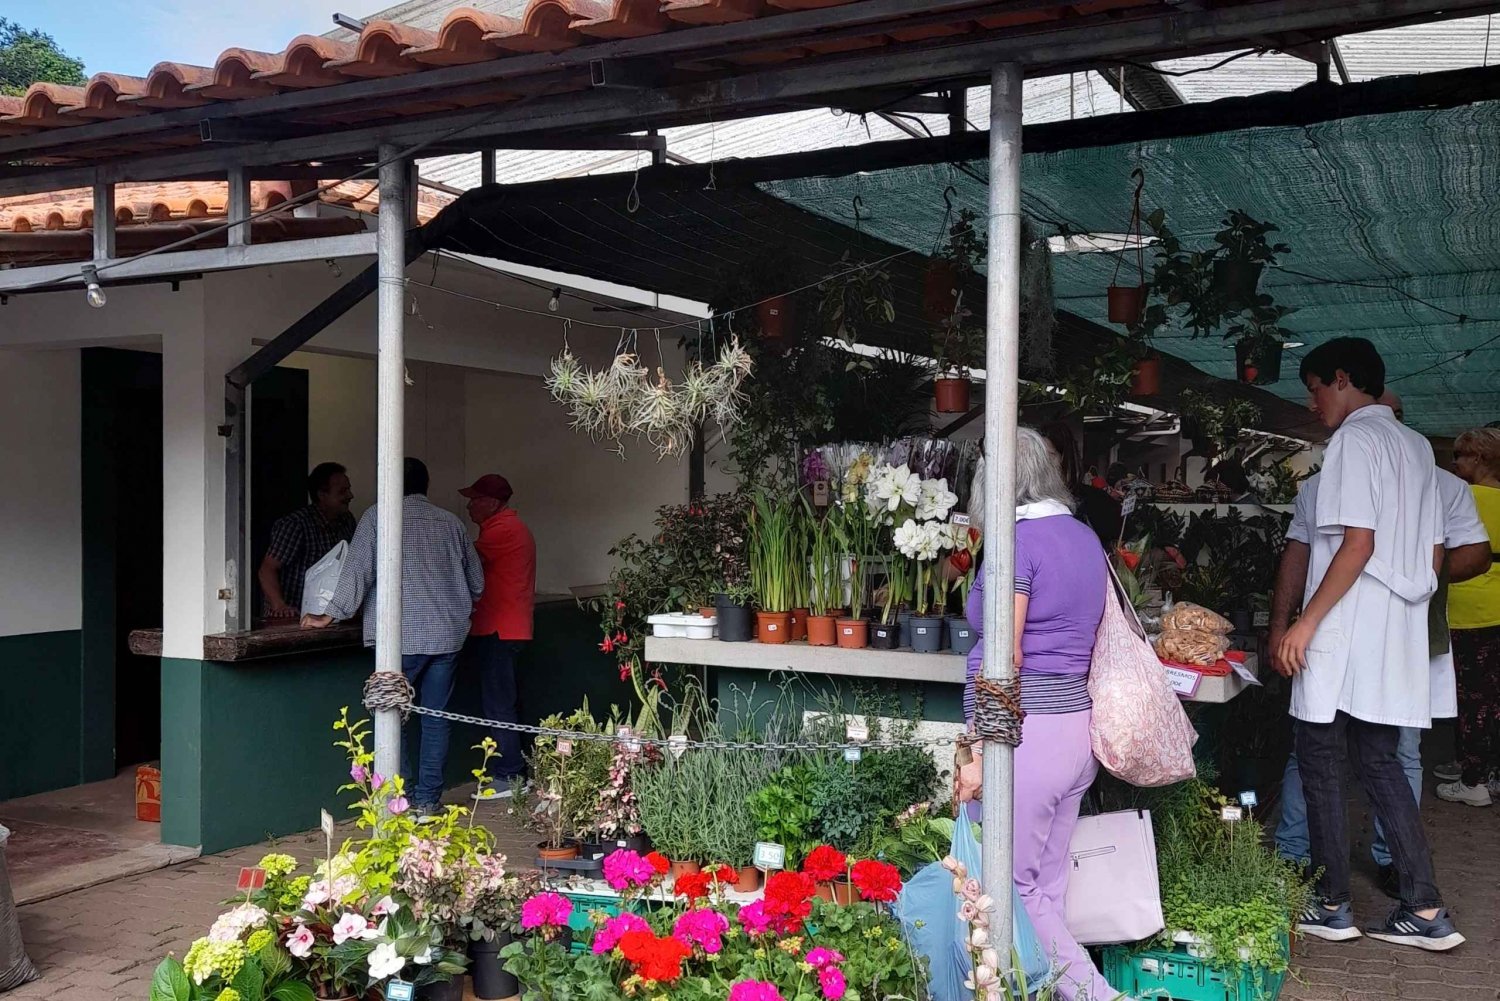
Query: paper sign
x=1249 y=800
x=251 y=879
x=631 y=742
x=1232 y=813
x=959 y=518
x=1127 y=505
x=398 y=990
x=327 y=822
x=769 y=855
x=851 y=754
x=820 y=493
x=857 y=732
x=1261 y=619
x=1243 y=673
x=1184 y=682
x=565 y=748
x=848 y=630
x=677 y=744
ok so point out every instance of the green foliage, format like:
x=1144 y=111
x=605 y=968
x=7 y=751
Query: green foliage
x=784 y=812
x=28 y=56
x=1213 y=422
x=1100 y=384
x=856 y=299
x=1237 y=555
x=914 y=843
x=774 y=563
x=567 y=785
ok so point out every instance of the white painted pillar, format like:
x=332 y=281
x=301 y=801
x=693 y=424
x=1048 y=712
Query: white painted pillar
x=1002 y=350
x=395 y=190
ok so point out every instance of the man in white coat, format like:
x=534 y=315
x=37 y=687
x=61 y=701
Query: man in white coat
x=1359 y=653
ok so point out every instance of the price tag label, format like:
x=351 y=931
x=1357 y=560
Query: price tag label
x=769 y=855
x=851 y=754
x=1261 y=619
x=959 y=518
x=857 y=732
x=326 y=820
x=1232 y=814
x=1184 y=682
x=251 y=879
x=399 y=990
x=565 y=748
x=629 y=740
x=1243 y=672
x=677 y=744
x=820 y=493
x=1127 y=506
x=1249 y=800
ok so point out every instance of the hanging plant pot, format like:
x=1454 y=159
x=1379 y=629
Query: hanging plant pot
x=884 y=636
x=1126 y=302
x=952 y=395
x=1146 y=377
x=736 y=622
x=1258 y=364
x=773 y=627
x=775 y=316
x=799 y=624
x=940 y=289
x=490 y=980
x=822 y=630
x=962 y=637
x=1236 y=282
x=854 y=634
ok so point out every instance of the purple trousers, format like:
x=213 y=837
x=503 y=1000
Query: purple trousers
x=1054 y=768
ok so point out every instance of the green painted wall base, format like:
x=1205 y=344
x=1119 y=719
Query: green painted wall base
x=739 y=690
x=40 y=723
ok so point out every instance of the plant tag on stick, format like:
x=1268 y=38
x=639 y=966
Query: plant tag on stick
x=677 y=744
x=565 y=748
x=1231 y=814
x=851 y=754
x=398 y=990
x=251 y=879
x=769 y=855
x=820 y=493
x=631 y=742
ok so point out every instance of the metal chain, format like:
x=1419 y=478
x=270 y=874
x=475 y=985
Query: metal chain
x=997 y=710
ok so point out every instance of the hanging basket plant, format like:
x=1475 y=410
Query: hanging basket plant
x=957 y=340
x=1126 y=302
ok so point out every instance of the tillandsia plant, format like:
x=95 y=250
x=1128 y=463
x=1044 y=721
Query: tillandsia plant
x=772 y=551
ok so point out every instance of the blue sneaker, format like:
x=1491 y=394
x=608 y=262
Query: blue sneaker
x=1406 y=927
x=1335 y=925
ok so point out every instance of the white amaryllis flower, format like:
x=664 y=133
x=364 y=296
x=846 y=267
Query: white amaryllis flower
x=424 y=957
x=934 y=499
x=892 y=486
x=908 y=539
x=385 y=961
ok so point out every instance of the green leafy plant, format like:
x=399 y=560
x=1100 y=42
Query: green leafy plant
x=856 y=299
x=774 y=552
x=784 y=813
x=566 y=787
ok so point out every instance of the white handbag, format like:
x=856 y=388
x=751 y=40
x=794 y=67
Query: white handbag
x=321 y=579
x=1113 y=892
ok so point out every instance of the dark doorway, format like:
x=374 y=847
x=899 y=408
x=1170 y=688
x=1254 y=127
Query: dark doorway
x=122 y=549
x=278 y=457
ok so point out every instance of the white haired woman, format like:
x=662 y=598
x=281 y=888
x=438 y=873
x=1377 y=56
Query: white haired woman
x=1061 y=583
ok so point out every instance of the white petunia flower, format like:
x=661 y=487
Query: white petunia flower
x=385 y=961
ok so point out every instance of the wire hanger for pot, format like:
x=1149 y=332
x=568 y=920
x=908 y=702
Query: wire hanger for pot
x=1134 y=227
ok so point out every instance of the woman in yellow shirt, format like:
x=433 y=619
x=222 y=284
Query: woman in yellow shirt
x=1474 y=617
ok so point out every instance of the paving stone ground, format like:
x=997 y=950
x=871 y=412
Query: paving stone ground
x=102 y=943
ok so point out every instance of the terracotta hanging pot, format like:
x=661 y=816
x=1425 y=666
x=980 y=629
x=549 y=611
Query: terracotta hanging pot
x=1126 y=302
x=1146 y=380
x=952 y=395
x=854 y=634
x=822 y=630
x=775 y=316
x=773 y=627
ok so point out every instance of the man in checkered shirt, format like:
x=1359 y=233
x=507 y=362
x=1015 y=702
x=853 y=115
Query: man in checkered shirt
x=302 y=538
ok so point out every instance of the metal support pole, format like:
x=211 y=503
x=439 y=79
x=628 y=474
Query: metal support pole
x=486 y=167
x=104 y=221
x=958 y=109
x=395 y=180
x=1002 y=348
x=239 y=207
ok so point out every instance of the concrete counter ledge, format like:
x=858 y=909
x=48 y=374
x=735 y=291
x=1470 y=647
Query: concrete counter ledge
x=254 y=644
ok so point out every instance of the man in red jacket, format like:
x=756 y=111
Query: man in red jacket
x=502 y=622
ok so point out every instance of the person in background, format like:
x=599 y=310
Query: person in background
x=1094 y=506
x=502 y=621
x=1359 y=653
x=1466 y=554
x=1231 y=473
x=1117 y=479
x=1061 y=586
x=302 y=538
x=1474 y=616
x=441 y=578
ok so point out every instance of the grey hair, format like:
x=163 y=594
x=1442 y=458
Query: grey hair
x=1038 y=477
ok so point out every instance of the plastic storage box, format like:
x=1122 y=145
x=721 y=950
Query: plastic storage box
x=1178 y=974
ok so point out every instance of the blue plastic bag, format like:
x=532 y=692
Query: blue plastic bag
x=928 y=910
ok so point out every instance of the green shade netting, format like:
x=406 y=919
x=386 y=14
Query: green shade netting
x=1395 y=218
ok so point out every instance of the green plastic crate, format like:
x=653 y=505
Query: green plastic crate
x=1177 y=974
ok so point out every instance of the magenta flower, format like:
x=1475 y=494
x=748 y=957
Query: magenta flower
x=821 y=957
x=754 y=919
x=615 y=928
x=703 y=927
x=754 y=990
x=832 y=982
x=358 y=773
x=377 y=780
x=398 y=805
x=624 y=869
x=546 y=910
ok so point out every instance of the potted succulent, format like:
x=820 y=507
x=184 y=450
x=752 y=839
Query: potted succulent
x=772 y=548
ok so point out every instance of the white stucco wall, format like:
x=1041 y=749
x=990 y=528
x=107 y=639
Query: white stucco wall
x=41 y=554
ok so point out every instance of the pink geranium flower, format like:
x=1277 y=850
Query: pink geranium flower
x=615 y=928
x=831 y=980
x=546 y=910
x=754 y=990
x=821 y=957
x=754 y=919
x=702 y=927
x=624 y=869
x=358 y=773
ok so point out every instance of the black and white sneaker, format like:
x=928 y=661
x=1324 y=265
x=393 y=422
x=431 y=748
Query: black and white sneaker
x=1336 y=925
x=1406 y=927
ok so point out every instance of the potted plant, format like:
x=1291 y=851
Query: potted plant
x=734 y=606
x=825 y=576
x=493 y=909
x=953 y=264
x=566 y=778
x=799 y=557
x=855 y=298
x=1258 y=338
x=963 y=564
x=886 y=633
x=783 y=811
x=1243 y=254
x=957 y=347
x=855 y=532
x=1125 y=302
x=772 y=550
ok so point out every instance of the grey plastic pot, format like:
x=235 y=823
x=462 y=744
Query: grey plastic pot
x=926 y=633
x=962 y=637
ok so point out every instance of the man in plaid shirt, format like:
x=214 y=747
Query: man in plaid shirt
x=304 y=537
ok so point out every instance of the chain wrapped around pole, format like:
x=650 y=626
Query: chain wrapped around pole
x=389 y=690
x=997 y=710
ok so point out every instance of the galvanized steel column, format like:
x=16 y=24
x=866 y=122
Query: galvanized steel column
x=1002 y=347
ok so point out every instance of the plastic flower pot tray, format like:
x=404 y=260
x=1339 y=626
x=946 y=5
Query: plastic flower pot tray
x=585 y=902
x=588 y=867
x=681 y=625
x=1180 y=975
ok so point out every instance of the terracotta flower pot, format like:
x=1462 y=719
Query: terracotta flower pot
x=775 y=316
x=854 y=634
x=707 y=611
x=952 y=395
x=843 y=893
x=822 y=630
x=824 y=891
x=749 y=880
x=1126 y=303
x=1146 y=379
x=557 y=854
x=773 y=627
x=799 y=624
x=683 y=867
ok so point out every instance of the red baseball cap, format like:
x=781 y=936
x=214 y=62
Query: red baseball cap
x=490 y=485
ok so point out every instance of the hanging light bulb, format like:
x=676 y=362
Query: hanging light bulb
x=556 y=300
x=94 y=292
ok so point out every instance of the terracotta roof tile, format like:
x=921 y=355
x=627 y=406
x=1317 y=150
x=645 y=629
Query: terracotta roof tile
x=712 y=11
x=461 y=39
x=302 y=64
x=545 y=27
x=382 y=50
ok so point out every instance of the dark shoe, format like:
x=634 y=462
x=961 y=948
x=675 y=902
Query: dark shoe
x=1336 y=925
x=1389 y=882
x=1406 y=927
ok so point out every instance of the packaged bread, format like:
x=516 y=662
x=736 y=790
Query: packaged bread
x=1186 y=615
x=1191 y=646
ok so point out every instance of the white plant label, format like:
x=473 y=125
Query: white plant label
x=1231 y=814
x=398 y=990
x=631 y=742
x=851 y=754
x=1249 y=800
x=959 y=519
x=677 y=744
x=1127 y=505
x=326 y=821
x=565 y=748
x=769 y=855
x=857 y=733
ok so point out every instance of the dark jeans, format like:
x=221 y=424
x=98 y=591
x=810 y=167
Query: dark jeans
x=432 y=676
x=1476 y=655
x=496 y=661
x=1321 y=748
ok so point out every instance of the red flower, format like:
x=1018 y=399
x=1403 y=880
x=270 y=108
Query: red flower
x=879 y=882
x=788 y=900
x=692 y=885
x=726 y=874
x=608 y=646
x=619 y=605
x=659 y=862
x=621 y=639
x=658 y=959
x=624 y=672
x=825 y=864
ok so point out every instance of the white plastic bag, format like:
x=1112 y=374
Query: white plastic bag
x=318 y=585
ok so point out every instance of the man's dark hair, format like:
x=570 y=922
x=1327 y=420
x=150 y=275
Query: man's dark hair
x=414 y=478
x=319 y=479
x=1353 y=355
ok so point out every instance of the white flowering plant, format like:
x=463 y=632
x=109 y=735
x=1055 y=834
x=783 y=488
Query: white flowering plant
x=917 y=509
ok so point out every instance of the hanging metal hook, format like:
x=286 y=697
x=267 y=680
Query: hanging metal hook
x=948 y=194
x=1139 y=176
x=858 y=204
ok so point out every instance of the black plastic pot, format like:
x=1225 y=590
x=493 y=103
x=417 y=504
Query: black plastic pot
x=736 y=622
x=1237 y=281
x=962 y=637
x=635 y=843
x=485 y=967
x=443 y=990
x=1261 y=367
x=883 y=637
x=926 y=633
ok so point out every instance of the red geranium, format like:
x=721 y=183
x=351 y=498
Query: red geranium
x=879 y=882
x=653 y=958
x=693 y=885
x=659 y=862
x=788 y=900
x=825 y=863
x=726 y=874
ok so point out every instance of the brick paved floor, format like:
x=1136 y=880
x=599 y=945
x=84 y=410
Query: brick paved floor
x=102 y=943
